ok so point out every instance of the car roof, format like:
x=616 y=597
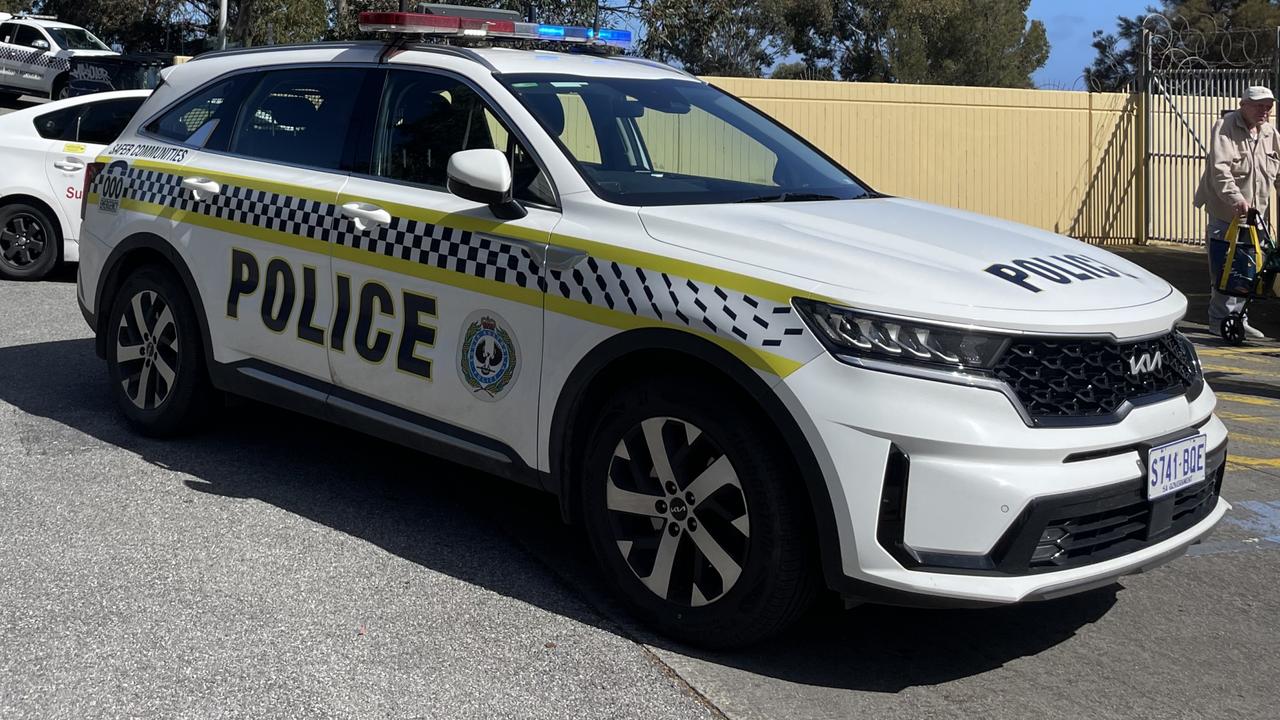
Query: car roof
x=498 y=60
x=43 y=23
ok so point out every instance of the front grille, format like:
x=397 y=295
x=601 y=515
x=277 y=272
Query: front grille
x=1071 y=541
x=1067 y=379
x=1057 y=532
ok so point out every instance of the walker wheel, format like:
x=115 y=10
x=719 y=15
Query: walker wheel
x=1233 y=329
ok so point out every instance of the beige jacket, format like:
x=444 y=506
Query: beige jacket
x=1238 y=167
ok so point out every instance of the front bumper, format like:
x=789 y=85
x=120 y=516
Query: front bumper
x=979 y=488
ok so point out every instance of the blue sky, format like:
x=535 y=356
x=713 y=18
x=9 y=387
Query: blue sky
x=1070 y=25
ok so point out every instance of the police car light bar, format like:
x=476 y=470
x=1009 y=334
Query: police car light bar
x=452 y=26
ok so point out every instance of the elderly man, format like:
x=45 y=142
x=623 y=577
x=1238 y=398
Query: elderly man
x=1243 y=162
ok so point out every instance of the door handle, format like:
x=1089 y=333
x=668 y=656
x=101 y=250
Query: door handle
x=69 y=165
x=201 y=188
x=365 y=216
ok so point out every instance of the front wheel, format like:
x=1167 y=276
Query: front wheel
x=696 y=514
x=154 y=355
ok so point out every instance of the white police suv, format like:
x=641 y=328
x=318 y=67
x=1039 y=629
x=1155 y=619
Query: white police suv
x=744 y=372
x=36 y=54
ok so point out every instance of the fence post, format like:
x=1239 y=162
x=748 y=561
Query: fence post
x=1141 y=124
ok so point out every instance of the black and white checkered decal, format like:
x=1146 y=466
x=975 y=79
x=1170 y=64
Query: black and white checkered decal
x=669 y=298
x=38 y=58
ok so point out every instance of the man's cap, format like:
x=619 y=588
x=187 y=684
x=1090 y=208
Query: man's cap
x=1258 y=92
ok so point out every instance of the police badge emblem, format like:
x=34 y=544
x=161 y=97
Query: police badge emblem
x=489 y=358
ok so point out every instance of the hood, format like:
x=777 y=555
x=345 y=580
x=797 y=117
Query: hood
x=890 y=253
x=87 y=53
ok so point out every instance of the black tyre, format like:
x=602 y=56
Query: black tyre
x=1233 y=329
x=30 y=242
x=696 y=514
x=154 y=356
x=61 y=89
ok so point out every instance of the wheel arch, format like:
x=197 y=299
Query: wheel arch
x=132 y=253
x=656 y=350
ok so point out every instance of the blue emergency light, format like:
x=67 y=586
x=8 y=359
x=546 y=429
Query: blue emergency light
x=450 y=25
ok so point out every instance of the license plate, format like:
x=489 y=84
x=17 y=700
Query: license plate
x=1175 y=466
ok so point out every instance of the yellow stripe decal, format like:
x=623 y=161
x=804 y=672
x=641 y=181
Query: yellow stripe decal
x=756 y=358
x=759 y=359
x=482 y=223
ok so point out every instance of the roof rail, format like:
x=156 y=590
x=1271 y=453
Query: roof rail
x=280 y=48
x=656 y=64
x=456 y=51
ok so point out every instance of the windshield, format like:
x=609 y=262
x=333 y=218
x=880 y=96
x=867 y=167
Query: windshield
x=76 y=39
x=677 y=142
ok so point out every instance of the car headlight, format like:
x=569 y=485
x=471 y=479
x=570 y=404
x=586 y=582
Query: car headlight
x=853 y=333
x=1189 y=348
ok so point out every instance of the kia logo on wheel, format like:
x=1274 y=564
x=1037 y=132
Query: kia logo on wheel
x=1146 y=363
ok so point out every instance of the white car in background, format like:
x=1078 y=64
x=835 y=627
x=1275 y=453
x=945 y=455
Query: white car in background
x=44 y=150
x=36 y=55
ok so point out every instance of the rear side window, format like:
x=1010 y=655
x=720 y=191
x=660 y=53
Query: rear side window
x=98 y=122
x=203 y=116
x=60 y=124
x=299 y=116
x=102 y=122
x=8 y=32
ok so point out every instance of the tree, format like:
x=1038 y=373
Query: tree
x=949 y=42
x=713 y=37
x=1210 y=32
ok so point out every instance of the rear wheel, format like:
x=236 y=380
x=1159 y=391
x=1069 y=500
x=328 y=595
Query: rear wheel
x=695 y=514
x=154 y=355
x=30 y=242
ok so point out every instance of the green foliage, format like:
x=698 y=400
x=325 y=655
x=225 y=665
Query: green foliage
x=947 y=42
x=713 y=37
x=1219 y=32
x=800 y=71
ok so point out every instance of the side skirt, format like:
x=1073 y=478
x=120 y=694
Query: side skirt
x=324 y=401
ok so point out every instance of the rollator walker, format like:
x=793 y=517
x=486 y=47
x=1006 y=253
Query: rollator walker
x=1245 y=265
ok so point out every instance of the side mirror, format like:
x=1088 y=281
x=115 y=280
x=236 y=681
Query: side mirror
x=40 y=44
x=484 y=176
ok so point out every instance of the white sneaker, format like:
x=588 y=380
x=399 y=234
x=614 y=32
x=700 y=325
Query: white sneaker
x=1252 y=332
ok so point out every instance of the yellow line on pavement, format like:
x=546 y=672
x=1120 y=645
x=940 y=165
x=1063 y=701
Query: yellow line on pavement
x=1232 y=369
x=1237 y=417
x=1248 y=399
x=1228 y=352
x=1253 y=462
x=1253 y=439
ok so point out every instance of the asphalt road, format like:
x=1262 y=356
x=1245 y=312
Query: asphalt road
x=275 y=566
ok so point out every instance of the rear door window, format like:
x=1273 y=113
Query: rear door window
x=299 y=116
x=203 y=120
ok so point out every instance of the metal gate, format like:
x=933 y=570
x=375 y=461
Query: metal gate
x=1191 y=77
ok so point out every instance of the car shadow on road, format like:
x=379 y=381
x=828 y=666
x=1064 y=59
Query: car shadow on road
x=18 y=102
x=509 y=539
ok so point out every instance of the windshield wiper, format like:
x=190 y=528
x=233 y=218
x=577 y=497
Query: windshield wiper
x=789 y=197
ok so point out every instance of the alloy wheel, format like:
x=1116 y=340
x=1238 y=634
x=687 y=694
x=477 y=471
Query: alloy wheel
x=677 y=511
x=22 y=240
x=146 y=350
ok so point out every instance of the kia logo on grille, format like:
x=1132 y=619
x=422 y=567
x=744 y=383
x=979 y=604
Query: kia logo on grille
x=1146 y=363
